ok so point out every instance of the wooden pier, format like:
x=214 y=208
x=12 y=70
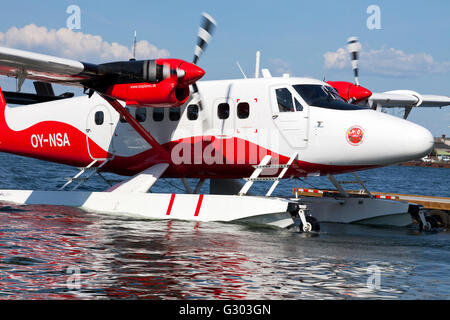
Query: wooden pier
x=428 y=202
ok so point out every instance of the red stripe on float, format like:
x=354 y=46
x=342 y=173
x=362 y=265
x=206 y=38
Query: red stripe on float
x=199 y=205
x=169 y=209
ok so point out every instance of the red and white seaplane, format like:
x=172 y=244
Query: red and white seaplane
x=140 y=119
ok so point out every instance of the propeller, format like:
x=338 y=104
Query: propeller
x=116 y=79
x=205 y=31
x=352 y=92
x=208 y=24
x=353 y=47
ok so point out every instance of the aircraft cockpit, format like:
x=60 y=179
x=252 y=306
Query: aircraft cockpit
x=324 y=96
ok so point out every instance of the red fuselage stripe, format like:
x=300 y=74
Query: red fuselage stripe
x=199 y=205
x=169 y=209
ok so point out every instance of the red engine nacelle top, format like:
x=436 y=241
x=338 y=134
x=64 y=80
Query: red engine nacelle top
x=349 y=91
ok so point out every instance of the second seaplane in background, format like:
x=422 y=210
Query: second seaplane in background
x=357 y=94
x=141 y=119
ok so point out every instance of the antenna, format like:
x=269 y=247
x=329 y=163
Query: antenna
x=133 y=57
x=258 y=58
x=242 y=71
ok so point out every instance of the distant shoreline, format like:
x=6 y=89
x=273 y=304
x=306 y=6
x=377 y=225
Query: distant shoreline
x=419 y=163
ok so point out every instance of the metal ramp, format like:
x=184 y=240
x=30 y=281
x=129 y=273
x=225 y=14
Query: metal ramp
x=91 y=171
x=343 y=192
x=264 y=164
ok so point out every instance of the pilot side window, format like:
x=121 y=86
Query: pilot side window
x=192 y=112
x=284 y=99
x=158 y=114
x=243 y=110
x=141 y=114
x=174 y=113
x=298 y=105
x=223 y=111
x=99 y=118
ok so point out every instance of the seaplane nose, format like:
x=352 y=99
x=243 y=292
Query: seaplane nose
x=421 y=141
x=404 y=140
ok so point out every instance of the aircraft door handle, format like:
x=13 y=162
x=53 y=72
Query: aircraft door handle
x=274 y=117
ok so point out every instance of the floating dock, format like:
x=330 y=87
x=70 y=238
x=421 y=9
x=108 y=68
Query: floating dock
x=428 y=202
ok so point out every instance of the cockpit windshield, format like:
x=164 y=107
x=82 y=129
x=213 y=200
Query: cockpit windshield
x=324 y=96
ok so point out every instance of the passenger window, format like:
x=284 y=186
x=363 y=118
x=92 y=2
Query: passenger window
x=141 y=114
x=298 y=105
x=99 y=118
x=158 y=114
x=243 y=110
x=223 y=111
x=122 y=119
x=192 y=112
x=284 y=98
x=174 y=114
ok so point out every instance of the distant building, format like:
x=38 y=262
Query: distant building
x=442 y=146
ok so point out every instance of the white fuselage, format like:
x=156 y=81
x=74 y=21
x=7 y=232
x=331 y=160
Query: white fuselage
x=238 y=122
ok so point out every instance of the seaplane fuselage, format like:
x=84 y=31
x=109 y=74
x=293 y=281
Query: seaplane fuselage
x=236 y=123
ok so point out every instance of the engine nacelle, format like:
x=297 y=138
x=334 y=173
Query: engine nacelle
x=349 y=91
x=149 y=83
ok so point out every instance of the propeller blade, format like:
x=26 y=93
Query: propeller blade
x=353 y=47
x=205 y=32
x=195 y=89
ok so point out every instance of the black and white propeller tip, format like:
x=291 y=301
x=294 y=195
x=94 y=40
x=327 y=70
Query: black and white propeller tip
x=205 y=32
x=353 y=47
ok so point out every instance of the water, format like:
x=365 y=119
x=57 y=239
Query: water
x=49 y=252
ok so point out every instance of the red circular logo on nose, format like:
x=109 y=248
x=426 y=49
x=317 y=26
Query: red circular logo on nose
x=355 y=135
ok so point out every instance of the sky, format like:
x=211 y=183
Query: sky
x=408 y=49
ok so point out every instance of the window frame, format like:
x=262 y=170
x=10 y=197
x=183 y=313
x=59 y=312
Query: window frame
x=278 y=104
x=141 y=112
x=157 y=110
x=175 y=111
x=219 y=111
x=238 y=113
x=102 y=117
x=188 y=112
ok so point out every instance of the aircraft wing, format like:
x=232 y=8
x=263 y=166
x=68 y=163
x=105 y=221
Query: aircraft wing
x=407 y=99
x=28 y=65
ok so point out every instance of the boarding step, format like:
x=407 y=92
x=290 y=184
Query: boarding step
x=342 y=191
x=264 y=164
x=75 y=179
x=272 y=166
x=262 y=179
x=350 y=182
x=89 y=168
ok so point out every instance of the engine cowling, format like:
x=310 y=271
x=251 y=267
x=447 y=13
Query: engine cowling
x=149 y=83
x=349 y=91
x=163 y=94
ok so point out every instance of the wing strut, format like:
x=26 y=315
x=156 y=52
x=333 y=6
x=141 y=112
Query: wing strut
x=138 y=127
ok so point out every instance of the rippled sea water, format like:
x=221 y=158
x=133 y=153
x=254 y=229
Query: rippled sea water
x=49 y=252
